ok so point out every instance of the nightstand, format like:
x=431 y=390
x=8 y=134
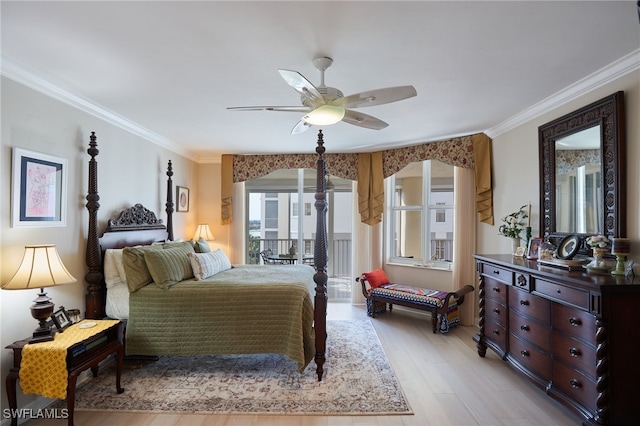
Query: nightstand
x=83 y=346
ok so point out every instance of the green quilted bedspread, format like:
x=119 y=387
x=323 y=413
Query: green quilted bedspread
x=248 y=309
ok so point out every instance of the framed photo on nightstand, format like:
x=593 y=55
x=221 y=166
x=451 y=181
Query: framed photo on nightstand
x=61 y=319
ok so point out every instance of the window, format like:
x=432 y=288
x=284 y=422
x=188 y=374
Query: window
x=420 y=211
x=307 y=209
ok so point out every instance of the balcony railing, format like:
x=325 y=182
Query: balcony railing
x=339 y=260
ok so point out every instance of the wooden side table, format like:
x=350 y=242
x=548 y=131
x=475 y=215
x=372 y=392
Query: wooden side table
x=82 y=355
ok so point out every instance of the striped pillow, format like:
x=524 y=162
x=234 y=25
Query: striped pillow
x=169 y=266
x=206 y=265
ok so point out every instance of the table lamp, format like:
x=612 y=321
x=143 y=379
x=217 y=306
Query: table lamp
x=41 y=267
x=203 y=231
x=620 y=248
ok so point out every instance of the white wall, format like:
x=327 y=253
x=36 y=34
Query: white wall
x=130 y=170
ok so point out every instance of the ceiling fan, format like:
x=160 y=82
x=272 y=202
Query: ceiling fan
x=324 y=105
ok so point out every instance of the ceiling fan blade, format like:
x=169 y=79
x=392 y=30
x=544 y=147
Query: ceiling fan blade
x=271 y=108
x=363 y=120
x=378 y=97
x=300 y=127
x=302 y=85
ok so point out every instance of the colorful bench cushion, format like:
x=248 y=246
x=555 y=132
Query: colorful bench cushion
x=418 y=296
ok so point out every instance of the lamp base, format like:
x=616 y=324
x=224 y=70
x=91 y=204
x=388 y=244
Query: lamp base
x=42 y=310
x=40 y=336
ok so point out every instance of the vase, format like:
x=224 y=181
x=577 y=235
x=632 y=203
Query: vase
x=515 y=243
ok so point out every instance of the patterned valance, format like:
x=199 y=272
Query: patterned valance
x=569 y=160
x=248 y=167
x=456 y=152
x=464 y=151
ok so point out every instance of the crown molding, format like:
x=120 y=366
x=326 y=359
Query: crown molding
x=19 y=74
x=605 y=75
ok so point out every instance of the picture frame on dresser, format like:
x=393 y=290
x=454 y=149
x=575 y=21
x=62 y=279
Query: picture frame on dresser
x=39 y=189
x=533 y=247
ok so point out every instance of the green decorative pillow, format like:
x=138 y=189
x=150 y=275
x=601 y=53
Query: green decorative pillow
x=200 y=246
x=176 y=244
x=168 y=267
x=135 y=267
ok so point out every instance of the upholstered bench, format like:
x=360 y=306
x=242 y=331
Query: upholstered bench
x=442 y=305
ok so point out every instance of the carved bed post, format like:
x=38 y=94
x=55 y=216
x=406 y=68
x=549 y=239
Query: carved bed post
x=320 y=260
x=94 y=298
x=169 y=204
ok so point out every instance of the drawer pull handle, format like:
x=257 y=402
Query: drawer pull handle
x=574 y=383
x=496 y=289
x=524 y=327
x=496 y=272
x=496 y=310
x=524 y=353
x=496 y=332
x=558 y=291
x=574 y=321
x=524 y=302
x=574 y=352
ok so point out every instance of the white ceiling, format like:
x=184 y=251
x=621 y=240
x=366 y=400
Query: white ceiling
x=168 y=70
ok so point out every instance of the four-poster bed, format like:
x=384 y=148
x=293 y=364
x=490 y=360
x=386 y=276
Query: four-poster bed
x=282 y=315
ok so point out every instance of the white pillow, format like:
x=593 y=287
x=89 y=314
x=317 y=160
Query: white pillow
x=206 y=265
x=113 y=268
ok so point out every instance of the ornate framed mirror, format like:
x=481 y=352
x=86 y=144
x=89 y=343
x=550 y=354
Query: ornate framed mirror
x=583 y=172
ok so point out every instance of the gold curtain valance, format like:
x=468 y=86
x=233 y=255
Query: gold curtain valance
x=370 y=169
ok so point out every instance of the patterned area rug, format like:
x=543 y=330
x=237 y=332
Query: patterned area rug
x=358 y=380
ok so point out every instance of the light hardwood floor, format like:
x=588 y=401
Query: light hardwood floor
x=444 y=379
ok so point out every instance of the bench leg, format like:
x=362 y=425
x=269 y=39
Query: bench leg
x=434 y=321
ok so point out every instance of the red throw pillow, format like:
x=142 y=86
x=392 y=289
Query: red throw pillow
x=376 y=278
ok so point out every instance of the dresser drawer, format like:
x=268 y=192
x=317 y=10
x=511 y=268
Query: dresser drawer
x=530 y=305
x=495 y=290
x=497 y=273
x=576 y=385
x=496 y=333
x=574 y=322
x=530 y=357
x=572 y=296
x=495 y=311
x=530 y=330
x=574 y=352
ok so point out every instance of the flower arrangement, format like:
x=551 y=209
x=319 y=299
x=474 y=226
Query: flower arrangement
x=598 y=241
x=513 y=224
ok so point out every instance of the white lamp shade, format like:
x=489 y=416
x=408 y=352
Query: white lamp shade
x=203 y=231
x=40 y=267
x=324 y=115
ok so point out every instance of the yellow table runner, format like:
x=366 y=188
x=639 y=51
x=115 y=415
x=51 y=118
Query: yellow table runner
x=43 y=369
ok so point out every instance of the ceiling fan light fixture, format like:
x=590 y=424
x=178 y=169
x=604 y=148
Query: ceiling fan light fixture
x=324 y=115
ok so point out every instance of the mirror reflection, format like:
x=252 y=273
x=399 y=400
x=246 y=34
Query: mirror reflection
x=579 y=204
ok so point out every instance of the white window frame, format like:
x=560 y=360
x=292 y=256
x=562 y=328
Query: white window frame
x=427 y=208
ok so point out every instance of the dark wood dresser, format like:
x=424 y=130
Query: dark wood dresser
x=571 y=333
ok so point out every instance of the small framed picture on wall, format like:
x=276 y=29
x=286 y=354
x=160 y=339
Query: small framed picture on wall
x=182 y=199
